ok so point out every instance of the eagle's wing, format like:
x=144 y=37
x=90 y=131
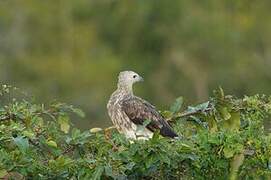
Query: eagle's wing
x=139 y=110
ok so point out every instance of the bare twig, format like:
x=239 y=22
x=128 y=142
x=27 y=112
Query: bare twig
x=189 y=113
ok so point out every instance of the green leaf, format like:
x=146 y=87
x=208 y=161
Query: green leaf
x=233 y=123
x=108 y=171
x=177 y=105
x=142 y=127
x=202 y=106
x=22 y=143
x=63 y=121
x=199 y=108
x=185 y=145
x=164 y=158
x=155 y=136
x=167 y=114
x=219 y=93
x=79 y=112
x=51 y=143
x=28 y=134
x=62 y=161
x=95 y=130
x=212 y=124
x=98 y=173
x=225 y=113
x=228 y=152
x=130 y=165
x=150 y=161
x=146 y=122
x=3 y=173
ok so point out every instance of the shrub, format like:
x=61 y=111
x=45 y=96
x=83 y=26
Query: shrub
x=223 y=138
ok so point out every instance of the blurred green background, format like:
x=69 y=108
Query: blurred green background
x=73 y=50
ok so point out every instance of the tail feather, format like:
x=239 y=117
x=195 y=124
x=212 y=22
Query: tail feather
x=168 y=132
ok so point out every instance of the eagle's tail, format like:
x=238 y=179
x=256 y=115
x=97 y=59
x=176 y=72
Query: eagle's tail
x=168 y=132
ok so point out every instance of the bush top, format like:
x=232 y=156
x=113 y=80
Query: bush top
x=222 y=138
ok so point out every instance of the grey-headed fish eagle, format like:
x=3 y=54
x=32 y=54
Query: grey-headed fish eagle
x=129 y=112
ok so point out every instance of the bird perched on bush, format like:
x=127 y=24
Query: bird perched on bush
x=133 y=116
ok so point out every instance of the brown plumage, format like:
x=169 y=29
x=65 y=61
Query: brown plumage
x=129 y=112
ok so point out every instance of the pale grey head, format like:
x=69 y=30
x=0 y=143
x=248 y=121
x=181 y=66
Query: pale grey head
x=127 y=79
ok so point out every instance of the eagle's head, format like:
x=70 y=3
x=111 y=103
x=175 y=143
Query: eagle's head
x=128 y=78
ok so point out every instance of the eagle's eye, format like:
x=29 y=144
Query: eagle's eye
x=134 y=76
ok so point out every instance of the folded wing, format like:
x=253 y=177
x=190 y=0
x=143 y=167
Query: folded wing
x=139 y=110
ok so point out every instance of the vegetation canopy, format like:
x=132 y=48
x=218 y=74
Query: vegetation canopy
x=223 y=138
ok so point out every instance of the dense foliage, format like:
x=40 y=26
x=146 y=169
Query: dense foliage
x=222 y=138
x=73 y=49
